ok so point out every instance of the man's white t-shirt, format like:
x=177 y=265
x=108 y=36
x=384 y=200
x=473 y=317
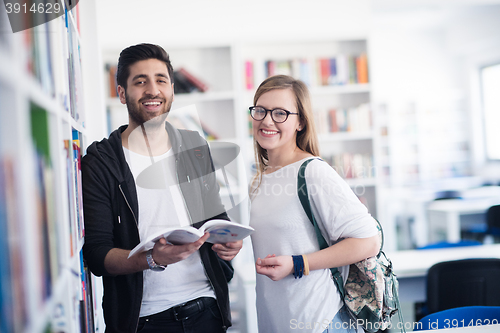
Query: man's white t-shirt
x=160 y=208
x=283 y=228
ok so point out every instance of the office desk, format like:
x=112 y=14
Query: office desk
x=411 y=266
x=444 y=216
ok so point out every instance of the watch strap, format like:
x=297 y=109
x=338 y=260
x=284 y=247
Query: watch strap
x=152 y=263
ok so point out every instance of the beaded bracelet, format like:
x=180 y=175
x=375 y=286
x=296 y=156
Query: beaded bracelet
x=298 y=266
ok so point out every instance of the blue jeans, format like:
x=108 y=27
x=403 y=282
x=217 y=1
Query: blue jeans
x=208 y=321
x=342 y=322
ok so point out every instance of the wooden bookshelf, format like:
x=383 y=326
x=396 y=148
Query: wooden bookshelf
x=44 y=284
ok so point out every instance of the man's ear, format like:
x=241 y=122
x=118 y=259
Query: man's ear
x=121 y=94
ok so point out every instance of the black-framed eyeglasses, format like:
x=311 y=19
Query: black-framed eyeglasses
x=277 y=115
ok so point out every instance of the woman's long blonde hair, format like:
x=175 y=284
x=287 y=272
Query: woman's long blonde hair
x=307 y=139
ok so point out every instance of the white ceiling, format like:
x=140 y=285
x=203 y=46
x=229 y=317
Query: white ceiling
x=187 y=22
x=123 y=22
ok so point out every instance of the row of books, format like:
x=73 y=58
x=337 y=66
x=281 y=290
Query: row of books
x=87 y=300
x=184 y=82
x=46 y=235
x=49 y=251
x=75 y=72
x=73 y=156
x=39 y=243
x=354 y=119
x=55 y=235
x=34 y=235
x=77 y=311
x=13 y=305
x=53 y=58
x=352 y=165
x=341 y=69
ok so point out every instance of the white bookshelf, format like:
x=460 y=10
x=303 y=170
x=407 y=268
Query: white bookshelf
x=334 y=96
x=41 y=271
x=224 y=107
x=331 y=143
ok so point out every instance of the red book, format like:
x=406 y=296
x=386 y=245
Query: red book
x=249 y=75
x=333 y=120
x=112 y=81
x=324 y=70
x=77 y=17
x=200 y=85
x=271 y=68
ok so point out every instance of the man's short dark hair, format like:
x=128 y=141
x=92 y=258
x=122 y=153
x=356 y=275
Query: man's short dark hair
x=135 y=53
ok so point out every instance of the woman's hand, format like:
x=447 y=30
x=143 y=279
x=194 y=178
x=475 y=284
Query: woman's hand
x=275 y=268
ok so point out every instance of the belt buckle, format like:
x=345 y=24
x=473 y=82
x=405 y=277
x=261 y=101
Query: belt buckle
x=176 y=314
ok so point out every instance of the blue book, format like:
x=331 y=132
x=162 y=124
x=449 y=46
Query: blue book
x=333 y=80
x=6 y=302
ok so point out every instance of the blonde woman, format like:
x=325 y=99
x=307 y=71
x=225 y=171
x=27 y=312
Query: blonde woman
x=290 y=300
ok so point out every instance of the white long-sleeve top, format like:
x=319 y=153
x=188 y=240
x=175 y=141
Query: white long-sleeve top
x=283 y=228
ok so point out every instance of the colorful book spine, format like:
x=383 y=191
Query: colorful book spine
x=341 y=69
x=198 y=83
x=77 y=157
x=332 y=80
x=112 y=84
x=270 y=68
x=249 y=75
x=362 y=66
x=324 y=71
x=353 y=78
x=352 y=165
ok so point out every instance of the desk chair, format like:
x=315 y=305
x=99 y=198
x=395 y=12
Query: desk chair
x=443 y=195
x=421 y=308
x=493 y=221
x=490 y=228
x=467 y=282
x=460 y=317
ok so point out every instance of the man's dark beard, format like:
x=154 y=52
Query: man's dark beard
x=141 y=119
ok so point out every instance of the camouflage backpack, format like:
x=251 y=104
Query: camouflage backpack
x=371 y=290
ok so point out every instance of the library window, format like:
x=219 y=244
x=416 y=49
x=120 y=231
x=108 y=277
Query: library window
x=490 y=81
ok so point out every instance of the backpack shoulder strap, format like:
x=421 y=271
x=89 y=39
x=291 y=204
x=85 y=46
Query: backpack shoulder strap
x=304 y=200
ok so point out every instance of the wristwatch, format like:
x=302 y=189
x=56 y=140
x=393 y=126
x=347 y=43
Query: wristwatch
x=152 y=264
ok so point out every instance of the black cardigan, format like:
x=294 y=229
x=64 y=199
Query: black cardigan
x=111 y=210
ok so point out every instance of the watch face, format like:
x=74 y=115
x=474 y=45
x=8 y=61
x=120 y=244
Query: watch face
x=158 y=268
